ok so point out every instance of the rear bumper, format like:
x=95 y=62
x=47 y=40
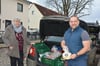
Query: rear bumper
x=30 y=62
x=33 y=61
x=31 y=57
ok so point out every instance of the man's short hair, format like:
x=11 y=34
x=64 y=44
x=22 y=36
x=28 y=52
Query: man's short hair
x=73 y=16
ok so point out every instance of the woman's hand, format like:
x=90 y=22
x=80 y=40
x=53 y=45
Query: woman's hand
x=25 y=58
x=10 y=47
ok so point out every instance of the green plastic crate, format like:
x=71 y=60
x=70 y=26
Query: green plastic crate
x=50 y=62
x=41 y=47
x=47 y=61
x=59 y=62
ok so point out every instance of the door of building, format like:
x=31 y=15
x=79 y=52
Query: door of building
x=7 y=22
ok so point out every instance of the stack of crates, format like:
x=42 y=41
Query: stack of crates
x=41 y=48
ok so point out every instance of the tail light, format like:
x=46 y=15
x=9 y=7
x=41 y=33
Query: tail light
x=32 y=51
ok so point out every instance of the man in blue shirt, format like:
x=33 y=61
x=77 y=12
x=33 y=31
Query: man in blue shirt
x=78 y=42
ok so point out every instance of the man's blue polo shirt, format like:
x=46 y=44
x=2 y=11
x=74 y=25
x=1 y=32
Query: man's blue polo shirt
x=73 y=40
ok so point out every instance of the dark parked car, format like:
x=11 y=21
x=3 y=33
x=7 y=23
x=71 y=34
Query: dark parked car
x=94 y=30
x=52 y=29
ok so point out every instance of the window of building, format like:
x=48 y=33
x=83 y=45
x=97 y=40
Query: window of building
x=7 y=22
x=32 y=12
x=21 y=23
x=19 y=7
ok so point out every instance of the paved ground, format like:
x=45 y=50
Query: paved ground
x=99 y=63
x=4 y=59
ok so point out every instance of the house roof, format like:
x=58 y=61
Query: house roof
x=26 y=1
x=45 y=11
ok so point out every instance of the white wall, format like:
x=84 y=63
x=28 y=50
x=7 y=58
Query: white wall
x=9 y=11
x=34 y=19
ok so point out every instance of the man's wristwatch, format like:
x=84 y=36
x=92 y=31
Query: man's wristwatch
x=77 y=55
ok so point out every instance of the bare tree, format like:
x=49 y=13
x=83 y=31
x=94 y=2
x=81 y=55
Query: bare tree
x=71 y=7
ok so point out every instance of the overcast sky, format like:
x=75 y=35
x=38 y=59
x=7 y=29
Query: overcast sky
x=94 y=12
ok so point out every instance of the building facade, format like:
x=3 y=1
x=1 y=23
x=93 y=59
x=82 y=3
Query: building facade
x=36 y=12
x=10 y=9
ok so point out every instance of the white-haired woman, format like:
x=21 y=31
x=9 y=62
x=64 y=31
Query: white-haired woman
x=16 y=39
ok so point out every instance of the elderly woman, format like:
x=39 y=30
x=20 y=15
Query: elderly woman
x=16 y=39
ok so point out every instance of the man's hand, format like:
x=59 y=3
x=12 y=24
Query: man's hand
x=73 y=56
x=63 y=44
